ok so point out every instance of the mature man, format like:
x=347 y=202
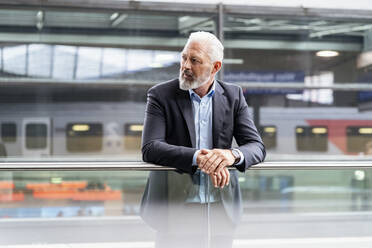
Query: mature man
x=190 y=123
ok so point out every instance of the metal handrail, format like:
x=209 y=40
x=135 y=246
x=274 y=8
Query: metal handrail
x=141 y=166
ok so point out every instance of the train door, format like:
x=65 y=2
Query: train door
x=36 y=138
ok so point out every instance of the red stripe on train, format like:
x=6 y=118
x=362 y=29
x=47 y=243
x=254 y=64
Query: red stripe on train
x=337 y=130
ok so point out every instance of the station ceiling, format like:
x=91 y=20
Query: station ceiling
x=158 y=26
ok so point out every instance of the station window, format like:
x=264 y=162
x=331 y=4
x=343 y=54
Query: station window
x=36 y=136
x=8 y=132
x=358 y=138
x=314 y=138
x=132 y=136
x=84 y=137
x=268 y=135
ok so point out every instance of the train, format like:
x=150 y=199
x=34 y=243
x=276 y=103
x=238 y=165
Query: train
x=112 y=131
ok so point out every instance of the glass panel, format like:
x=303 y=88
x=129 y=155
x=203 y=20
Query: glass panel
x=312 y=208
x=359 y=139
x=291 y=207
x=268 y=135
x=8 y=132
x=104 y=208
x=54 y=207
x=313 y=138
x=133 y=135
x=84 y=137
x=36 y=136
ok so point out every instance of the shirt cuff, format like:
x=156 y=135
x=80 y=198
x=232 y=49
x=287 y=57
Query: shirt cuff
x=241 y=157
x=194 y=158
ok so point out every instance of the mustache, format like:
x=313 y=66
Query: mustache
x=187 y=73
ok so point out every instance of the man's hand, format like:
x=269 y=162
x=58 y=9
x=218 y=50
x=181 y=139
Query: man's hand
x=213 y=161
x=221 y=179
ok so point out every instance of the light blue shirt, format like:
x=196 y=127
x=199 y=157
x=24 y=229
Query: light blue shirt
x=203 y=119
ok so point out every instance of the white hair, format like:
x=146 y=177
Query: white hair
x=214 y=46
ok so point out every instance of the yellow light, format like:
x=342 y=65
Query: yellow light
x=327 y=53
x=365 y=130
x=136 y=128
x=299 y=130
x=80 y=127
x=319 y=130
x=270 y=129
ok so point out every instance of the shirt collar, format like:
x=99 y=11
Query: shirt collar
x=209 y=94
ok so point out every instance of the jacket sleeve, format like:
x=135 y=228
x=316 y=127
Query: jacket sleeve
x=247 y=137
x=155 y=149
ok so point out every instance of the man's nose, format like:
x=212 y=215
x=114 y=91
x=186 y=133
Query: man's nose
x=186 y=64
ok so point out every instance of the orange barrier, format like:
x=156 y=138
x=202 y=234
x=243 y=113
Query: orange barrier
x=97 y=196
x=63 y=185
x=11 y=197
x=6 y=185
x=90 y=195
x=55 y=195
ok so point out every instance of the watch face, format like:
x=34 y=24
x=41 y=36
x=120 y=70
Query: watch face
x=235 y=153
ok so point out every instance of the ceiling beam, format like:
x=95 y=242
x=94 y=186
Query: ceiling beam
x=144 y=41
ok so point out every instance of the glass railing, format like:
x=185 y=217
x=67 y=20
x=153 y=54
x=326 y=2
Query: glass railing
x=118 y=204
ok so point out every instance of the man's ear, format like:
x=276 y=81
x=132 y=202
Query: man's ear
x=216 y=67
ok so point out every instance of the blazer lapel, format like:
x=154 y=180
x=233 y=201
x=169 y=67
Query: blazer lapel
x=184 y=103
x=219 y=109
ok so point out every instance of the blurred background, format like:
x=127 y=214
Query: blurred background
x=73 y=83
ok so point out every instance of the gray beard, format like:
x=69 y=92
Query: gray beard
x=186 y=85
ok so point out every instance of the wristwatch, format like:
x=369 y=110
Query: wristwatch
x=236 y=155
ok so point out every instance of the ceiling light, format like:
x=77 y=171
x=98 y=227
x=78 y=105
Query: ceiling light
x=327 y=53
x=233 y=61
x=114 y=16
x=156 y=65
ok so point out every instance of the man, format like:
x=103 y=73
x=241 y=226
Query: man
x=190 y=123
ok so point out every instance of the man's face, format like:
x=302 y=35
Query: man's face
x=196 y=67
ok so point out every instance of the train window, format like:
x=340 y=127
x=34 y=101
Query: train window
x=357 y=138
x=36 y=136
x=314 y=138
x=84 y=137
x=132 y=136
x=8 y=132
x=268 y=135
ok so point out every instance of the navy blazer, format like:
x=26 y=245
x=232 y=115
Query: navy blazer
x=169 y=139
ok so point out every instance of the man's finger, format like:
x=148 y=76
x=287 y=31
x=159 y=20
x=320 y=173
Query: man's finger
x=204 y=159
x=204 y=151
x=214 y=180
x=209 y=162
x=224 y=178
x=220 y=167
x=219 y=178
x=228 y=175
x=227 y=178
x=215 y=164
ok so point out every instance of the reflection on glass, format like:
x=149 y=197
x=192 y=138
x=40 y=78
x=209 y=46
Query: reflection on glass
x=85 y=206
x=96 y=207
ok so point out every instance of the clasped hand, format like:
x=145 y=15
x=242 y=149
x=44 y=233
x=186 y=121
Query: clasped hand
x=214 y=163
